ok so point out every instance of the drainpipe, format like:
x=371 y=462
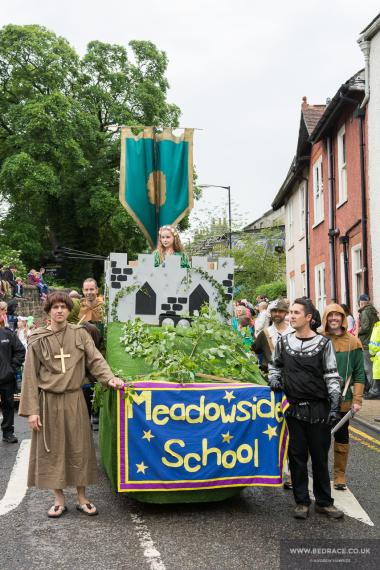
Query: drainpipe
x=332 y=231
x=307 y=245
x=344 y=241
x=363 y=190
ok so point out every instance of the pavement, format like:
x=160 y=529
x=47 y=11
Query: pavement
x=369 y=411
x=247 y=532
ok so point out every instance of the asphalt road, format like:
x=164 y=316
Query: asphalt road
x=242 y=533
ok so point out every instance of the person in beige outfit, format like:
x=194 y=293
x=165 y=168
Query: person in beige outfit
x=62 y=451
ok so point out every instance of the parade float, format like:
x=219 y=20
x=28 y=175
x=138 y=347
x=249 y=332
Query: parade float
x=196 y=420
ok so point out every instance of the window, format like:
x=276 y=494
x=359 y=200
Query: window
x=292 y=289
x=320 y=289
x=343 y=292
x=302 y=198
x=290 y=223
x=303 y=277
x=342 y=169
x=318 y=191
x=357 y=273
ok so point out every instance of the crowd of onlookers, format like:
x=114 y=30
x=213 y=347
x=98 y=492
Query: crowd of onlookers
x=254 y=322
x=87 y=310
x=12 y=285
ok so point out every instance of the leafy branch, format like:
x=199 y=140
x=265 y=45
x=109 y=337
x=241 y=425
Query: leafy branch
x=219 y=293
x=179 y=354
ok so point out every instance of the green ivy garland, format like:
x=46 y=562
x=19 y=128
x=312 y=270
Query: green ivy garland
x=219 y=298
x=123 y=292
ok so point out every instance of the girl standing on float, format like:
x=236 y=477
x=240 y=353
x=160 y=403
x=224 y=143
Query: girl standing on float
x=169 y=243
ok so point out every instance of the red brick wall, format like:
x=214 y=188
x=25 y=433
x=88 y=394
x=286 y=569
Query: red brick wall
x=345 y=215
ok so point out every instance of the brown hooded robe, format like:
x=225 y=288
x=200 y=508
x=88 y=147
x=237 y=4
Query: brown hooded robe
x=62 y=452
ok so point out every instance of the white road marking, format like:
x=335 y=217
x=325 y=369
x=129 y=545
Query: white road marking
x=346 y=502
x=150 y=551
x=17 y=486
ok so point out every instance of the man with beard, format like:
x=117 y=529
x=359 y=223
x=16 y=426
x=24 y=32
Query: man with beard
x=349 y=358
x=91 y=310
x=266 y=340
x=304 y=367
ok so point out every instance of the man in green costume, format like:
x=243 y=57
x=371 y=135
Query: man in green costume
x=350 y=363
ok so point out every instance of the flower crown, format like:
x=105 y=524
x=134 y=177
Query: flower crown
x=170 y=228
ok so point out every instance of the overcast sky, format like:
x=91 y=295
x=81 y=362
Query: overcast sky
x=237 y=69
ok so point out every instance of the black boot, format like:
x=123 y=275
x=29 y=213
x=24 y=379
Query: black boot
x=10 y=438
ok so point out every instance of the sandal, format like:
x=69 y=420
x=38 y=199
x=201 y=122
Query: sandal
x=56 y=511
x=287 y=485
x=86 y=509
x=340 y=487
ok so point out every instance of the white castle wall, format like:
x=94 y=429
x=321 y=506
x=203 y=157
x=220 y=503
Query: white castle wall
x=173 y=286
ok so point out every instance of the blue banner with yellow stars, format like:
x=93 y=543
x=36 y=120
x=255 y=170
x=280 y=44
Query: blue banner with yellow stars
x=200 y=436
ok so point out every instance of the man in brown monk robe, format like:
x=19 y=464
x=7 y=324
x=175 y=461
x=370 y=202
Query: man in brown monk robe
x=62 y=452
x=92 y=305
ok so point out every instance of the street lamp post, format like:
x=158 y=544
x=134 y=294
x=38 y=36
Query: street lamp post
x=228 y=188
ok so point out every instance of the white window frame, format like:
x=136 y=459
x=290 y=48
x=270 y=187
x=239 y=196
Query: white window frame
x=302 y=205
x=290 y=227
x=356 y=273
x=342 y=166
x=292 y=288
x=303 y=280
x=319 y=213
x=320 y=287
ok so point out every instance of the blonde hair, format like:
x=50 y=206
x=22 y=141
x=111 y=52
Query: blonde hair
x=177 y=245
x=4 y=307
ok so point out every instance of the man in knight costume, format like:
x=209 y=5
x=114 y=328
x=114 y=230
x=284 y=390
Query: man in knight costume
x=304 y=367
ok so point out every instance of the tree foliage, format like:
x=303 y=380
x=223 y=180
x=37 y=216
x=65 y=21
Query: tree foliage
x=259 y=259
x=272 y=290
x=9 y=256
x=58 y=159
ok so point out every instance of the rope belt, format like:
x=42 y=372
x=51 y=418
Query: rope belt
x=43 y=423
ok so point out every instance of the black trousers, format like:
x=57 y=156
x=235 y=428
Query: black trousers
x=313 y=439
x=88 y=393
x=7 y=405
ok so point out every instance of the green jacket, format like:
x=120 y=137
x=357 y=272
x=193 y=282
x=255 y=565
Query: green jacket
x=351 y=364
x=349 y=359
x=184 y=259
x=367 y=318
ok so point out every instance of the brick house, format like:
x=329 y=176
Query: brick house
x=325 y=196
x=294 y=196
x=340 y=266
x=369 y=42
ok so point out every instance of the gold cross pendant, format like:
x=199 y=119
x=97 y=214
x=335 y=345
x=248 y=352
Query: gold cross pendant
x=62 y=357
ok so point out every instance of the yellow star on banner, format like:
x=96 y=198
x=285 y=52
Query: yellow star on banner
x=229 y=396
x=227 y=437
x=148 y=435
x=141 y=467
x=271 y=432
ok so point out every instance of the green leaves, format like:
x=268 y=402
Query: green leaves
x=257 y=262
x=178 y=354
